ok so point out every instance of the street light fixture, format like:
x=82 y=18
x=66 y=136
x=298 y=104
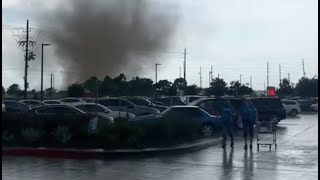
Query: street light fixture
x=41 y=93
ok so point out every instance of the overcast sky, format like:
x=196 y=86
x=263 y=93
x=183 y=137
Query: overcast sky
x=235 y=37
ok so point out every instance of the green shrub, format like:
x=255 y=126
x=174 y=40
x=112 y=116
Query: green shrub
x=7 y=137
x=119 y=134
x=62 y=134
x=31 y=135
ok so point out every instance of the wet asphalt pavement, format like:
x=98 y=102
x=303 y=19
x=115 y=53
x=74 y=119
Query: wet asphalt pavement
x=296 y=157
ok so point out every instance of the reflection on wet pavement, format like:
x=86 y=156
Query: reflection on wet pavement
x=295 y=158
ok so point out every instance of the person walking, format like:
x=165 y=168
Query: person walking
x=227 y=117
x=248 y=116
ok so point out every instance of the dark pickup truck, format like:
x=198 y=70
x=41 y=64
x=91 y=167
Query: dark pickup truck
x=269 y=108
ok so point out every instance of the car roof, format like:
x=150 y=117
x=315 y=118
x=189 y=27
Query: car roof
x=70 y=98
x=175 y=107
x=30 y=100
x=88 y=104
x=58 y=105
x=289 y=100
x=14 y=101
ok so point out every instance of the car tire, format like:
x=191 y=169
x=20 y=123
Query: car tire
x=293 y=112
x=207 y=130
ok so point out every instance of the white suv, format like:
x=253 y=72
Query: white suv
x=292 y=107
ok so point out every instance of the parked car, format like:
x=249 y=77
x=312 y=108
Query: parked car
x=90 y=100
x=48 y=117
x=314 y=107
x=15 y=106
x=190 y=98
x=170 y=101
x=120 y=104
x=306 y=103
x=178 y=117
x=269 y=108
x=71 y=101
x=292 y=107
x=93 y=108
x=47 y=102
x=145 y=102
x=213 y=106
x=32 y=103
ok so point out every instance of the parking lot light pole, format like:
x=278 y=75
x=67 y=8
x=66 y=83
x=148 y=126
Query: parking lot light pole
x=41 y=93
x=156 y=77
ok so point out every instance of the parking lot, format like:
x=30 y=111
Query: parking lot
x=295 y=158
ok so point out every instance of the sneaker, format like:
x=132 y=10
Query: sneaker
x=231 y=144
x=245 y=147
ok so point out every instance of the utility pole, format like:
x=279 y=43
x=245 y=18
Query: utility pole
x=26 y=63
x=200 y=78
x=185 y=63
x=51 y=82
x=267 y=73
x=156 y=78
x=41 y=92
x=280 y=74
x=157 y=71
x=210 y=75
x=304 y=72
x=209 y=78
x=240 y=78
x=250 y=82
x=218 y=75
x=289 y=77
x=180 y=71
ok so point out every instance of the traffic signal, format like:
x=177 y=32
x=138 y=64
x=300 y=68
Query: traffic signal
x=271 y=91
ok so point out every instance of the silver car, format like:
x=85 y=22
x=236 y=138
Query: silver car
x=119 y=104
x=103 y=111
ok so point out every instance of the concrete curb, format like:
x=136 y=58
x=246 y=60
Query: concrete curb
x=100 y=153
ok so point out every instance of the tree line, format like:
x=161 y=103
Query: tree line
x=137 y=86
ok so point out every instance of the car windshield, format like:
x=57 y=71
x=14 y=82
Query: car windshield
x=140 y=102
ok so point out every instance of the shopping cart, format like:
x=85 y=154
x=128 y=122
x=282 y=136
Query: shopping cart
x=266 y=134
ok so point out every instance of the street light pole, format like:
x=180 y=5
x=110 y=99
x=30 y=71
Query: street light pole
x=157 y=72
x=41 y=93
x=157 y=78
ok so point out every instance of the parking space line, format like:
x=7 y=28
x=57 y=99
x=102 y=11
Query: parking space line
x=299 y=133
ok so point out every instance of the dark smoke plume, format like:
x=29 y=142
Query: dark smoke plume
x=98 y=38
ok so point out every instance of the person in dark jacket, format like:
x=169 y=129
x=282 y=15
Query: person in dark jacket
x=227 y=117
x=248 y=116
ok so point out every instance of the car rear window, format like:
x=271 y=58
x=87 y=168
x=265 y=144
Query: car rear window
x=109 y=102
x=272 y=102
x=31 y=102
x=289 y=103
x=51 y=102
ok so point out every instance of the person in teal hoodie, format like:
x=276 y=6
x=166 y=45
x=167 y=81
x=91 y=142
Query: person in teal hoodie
x=227 y=117
x=248 y=116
